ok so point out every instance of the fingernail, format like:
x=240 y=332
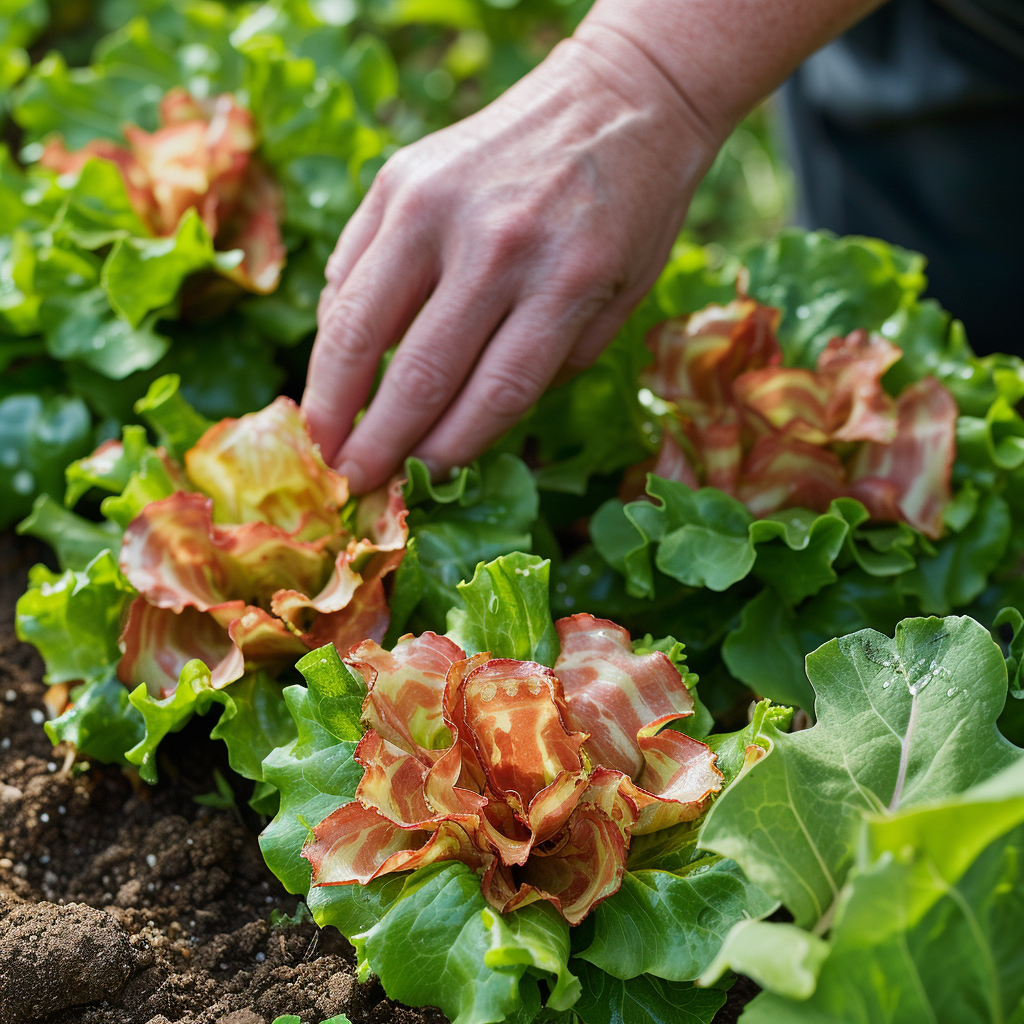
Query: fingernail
x=354 y=474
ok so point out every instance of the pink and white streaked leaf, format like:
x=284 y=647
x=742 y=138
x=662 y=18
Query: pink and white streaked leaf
x=612 y=693
x=912 y=472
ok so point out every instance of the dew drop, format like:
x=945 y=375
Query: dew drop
x=885 y=684
x=492 y=604
x=951 y=691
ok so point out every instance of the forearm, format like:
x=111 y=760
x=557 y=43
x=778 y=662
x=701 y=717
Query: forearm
x=720 y=56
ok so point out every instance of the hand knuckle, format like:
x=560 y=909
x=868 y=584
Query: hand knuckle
x=347 y=326
x=509 y=393
x=421 y=382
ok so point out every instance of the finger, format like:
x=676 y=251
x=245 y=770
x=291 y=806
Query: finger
x=372 y=309
x=431 y=364
x=516 y=367
x=356 y=236
x=596 y=337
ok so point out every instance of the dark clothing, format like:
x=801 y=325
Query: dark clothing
x=911 y=127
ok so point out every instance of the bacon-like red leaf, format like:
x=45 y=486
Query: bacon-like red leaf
x=583 y=868
x=612 y=693
x=356 y=844
x=910 y=478
x=851 y=370
x=782 y=472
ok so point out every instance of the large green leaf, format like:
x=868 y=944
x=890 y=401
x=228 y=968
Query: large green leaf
x=900 y=722
x=672 y=925
x=507 y=611
x=441 y=944
x=930 y=924
x=643 y=1000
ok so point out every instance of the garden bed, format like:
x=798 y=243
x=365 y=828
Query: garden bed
x=183 y=932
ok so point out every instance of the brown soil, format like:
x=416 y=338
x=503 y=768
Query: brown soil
x=126 y=904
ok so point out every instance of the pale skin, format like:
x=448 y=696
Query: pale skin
x=505 y=251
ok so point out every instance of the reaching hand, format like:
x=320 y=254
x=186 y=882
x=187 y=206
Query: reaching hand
x=501 y=250
x=510 y=247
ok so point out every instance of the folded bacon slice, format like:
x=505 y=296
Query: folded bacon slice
x=782 y=472
x=851 y=370
x=697 y=358
x=356 y=844
x=612 y=693
x=583 y=868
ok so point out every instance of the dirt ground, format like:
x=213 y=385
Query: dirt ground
x=125 y=904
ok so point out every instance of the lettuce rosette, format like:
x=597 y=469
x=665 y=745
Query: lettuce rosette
x=171 y=210
x=225 y=557
x=228 y=550
x=802 y=446
x=485 y=813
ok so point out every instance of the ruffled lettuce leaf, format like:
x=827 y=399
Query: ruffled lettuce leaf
x=315 y=772
x=254 y=720
x=74 y=619
x=488 y=510
x=506 y=611
x=900 y=722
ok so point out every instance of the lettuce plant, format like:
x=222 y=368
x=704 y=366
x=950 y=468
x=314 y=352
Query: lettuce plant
x=776 y=437
x=171 y=210
x=228 y=551
x=536 y=777
x=805 y=489
x=486 y=814
x=200 y=158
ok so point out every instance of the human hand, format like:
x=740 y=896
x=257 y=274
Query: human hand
x=502 y=251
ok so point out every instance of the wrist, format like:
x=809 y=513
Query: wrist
x=614 y=78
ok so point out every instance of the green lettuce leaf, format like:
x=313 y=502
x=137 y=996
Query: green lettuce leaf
x=929 y=921
x=39 y=436
x=900 y=722
x=486 y=511
x=314 y=772
x=101 y=721
x=643 y=1000
x=441 y=944
x=507 y=611
x=254 y=720
x=74 y=619
x=686 y=915
x=76 y=541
